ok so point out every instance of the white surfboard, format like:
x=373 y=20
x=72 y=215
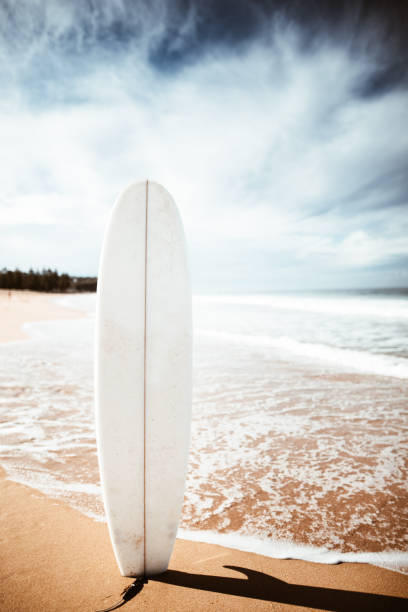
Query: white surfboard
x=143 y=376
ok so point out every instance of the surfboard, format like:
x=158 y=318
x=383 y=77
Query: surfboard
x=143 y=377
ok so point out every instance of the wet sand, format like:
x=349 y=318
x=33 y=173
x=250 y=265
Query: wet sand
x=52 y=557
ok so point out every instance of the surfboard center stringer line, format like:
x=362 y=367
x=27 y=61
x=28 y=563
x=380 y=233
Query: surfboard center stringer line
x=144 y=394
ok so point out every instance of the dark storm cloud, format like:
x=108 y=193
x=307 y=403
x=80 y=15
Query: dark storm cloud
x=382 y=80
x=179 y=32
x=375 y=29
x=225 y=25
x=46 y=45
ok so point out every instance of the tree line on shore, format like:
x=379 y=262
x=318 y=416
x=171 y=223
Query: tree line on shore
x=45 y=280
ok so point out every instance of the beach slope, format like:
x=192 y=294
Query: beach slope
x=54 y=558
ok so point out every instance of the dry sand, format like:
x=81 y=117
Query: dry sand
x=18 y=307
x=54 y=558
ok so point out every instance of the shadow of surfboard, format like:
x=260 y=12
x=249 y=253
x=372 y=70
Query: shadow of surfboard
x=258 y=585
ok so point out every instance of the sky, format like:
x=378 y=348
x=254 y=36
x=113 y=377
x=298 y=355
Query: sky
x=279 y=128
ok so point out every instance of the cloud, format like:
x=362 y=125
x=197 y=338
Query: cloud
x=285 y=170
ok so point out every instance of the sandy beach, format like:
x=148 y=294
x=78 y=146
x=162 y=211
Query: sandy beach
x=19 y=307
x=53 y=557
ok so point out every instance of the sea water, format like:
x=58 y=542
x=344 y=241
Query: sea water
x=299 y=434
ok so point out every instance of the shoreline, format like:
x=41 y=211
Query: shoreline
x=55 y=558
x=32 y=306
x=48 y=555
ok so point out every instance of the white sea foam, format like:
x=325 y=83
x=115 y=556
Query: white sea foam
x=381 y=365
x=342 y=305
x=280 y=549
x=275 y=436
x=50 y=485
x=78 y=301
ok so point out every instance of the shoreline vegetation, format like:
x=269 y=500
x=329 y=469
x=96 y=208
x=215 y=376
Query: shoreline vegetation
x=50 y=281
x=46 y=280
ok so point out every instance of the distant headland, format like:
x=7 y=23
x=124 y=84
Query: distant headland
x=46 y=280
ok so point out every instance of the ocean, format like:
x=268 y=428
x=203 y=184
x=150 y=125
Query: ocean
x=300 y=422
